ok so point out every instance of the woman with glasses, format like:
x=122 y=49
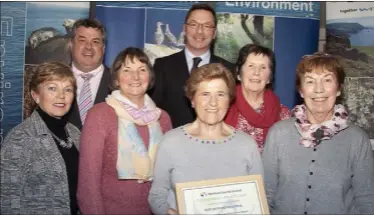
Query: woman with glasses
x=317 y=162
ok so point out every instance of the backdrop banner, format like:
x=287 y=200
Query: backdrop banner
x=31 y=33
x=36 y=32
x=350 y=35
x=289 y=28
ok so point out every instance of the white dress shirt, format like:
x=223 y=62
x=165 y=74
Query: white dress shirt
x=205 y=58
x=94 y=81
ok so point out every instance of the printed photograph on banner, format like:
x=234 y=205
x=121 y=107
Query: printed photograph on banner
x=350 y=36
x=236 y=30
x=164 y=36
x=48 y=29
x=12 y=36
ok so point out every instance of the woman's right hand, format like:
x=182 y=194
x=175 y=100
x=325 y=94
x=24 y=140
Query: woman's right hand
x=172 y=211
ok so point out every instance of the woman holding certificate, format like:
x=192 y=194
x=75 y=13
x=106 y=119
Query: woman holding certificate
x=207 y=148
x=316 y=162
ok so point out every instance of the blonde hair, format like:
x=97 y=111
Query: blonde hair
x=48 y=71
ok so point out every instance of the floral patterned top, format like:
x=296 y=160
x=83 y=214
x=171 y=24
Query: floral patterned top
x=257 y=133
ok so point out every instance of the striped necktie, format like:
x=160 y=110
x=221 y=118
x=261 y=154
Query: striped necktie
x=85 y=97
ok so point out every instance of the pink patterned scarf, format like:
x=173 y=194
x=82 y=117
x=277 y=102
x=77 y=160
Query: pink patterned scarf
x=134 y=159
x=328 y=128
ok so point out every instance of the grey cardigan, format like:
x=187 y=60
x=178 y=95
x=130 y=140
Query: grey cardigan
x=184 y=158
x=336 y=177
x=33 y=172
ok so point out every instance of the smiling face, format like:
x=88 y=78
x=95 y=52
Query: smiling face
x=255 y=73
x=319 y=90
x=54 y=97
x=199 y=31
x=87 y=48
x=133 y=79
x=211 y=101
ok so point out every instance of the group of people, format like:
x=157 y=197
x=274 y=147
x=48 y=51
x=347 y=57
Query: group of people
x=101 y=141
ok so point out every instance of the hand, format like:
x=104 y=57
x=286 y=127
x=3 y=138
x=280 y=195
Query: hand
x=172 y=211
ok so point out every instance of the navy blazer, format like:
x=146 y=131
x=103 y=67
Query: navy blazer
x=33 y=172
x=171 y=74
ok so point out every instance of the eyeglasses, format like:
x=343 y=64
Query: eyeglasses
x=205 y=26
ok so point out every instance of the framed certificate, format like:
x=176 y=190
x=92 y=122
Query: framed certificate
x=237 y=195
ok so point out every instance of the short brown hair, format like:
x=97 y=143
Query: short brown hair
x=201 y=6
x=210 y=72
x=319 y=62
x=249 y=49
x=49 y=71
x=89 y=23
x=131 y=53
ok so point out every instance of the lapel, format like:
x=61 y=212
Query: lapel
x=181 y=62
x=213 y=59
x=42 y=130
x=74 y=133
x=74 y=116
x=103 y=90
x=48 y=143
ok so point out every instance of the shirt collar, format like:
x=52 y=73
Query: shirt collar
x=94 y=72
x=190 y=56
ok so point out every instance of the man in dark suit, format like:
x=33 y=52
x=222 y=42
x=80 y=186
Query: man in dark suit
x=93 y=78
x=173 y=71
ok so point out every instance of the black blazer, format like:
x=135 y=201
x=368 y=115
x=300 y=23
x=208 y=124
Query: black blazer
x=102 y=92
x=171 y=74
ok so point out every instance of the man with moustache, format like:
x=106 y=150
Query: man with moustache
x=172 y=71
x=93 y=78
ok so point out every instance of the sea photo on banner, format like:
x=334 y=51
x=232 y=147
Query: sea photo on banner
x=350 y=35
x=48 y=30
x=12 y=34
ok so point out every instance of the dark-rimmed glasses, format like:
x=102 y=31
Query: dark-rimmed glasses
x=205 y=26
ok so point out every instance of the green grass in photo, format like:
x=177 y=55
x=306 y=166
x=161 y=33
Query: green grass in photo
x=366 y=49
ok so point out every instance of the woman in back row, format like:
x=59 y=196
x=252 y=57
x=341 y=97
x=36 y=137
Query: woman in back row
x=257 y=107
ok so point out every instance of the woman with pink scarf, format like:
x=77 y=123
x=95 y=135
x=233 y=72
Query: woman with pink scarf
x=119 y=141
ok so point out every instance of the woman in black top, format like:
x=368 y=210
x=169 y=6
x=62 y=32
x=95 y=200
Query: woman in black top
x=39 y=157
